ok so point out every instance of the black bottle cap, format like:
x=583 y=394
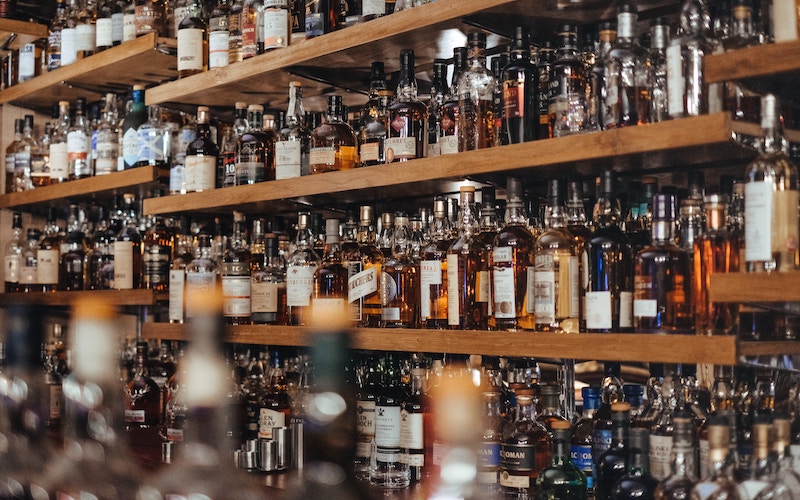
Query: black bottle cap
x=477 y=39
x=55 y=111
x=29 y=121
x=19 y=125
x=34 y=234
x=514 y=190
x=24 y=332
x=377 y=71
x=607 y=26
x=726 y=183
x=521 y=39
x=555 y=192
x=664 y=207
x=80 y=105
x=488 y=196
x=407 y=58
x=460 y=58
x=608 y=182
x=696 y=183
x=75 y=237
x=439 y=66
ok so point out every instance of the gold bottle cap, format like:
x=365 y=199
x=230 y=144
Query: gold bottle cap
x=761 y=437
x=365 y=214
x=138 y=87
x=620 y=407
x=240 y=105
x=560 y=425
x=387 y=219
x=255 y=107
x=719 y=441
x=295 y=83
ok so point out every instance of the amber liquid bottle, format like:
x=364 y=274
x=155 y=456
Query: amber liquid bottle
x=334 y=145
x=400 y=280
x=525 y=452
x=433 y=269
x=365 y=266
x=330 y=278
x=408 y=117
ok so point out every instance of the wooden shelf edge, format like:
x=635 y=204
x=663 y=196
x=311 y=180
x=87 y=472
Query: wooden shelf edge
x=307 y=50
x=83 y=187
x=113 y=297
x=753 y=62
x=689 y=132
x=609 y=347
x=755 y=287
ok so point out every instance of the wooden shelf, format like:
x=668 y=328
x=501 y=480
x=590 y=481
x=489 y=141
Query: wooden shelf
x=113 y=297
x=765 y=68
x=608 y=347
x=755 y=287
x=114 y=70
x=26 y=32
x=690 y=141
x=136 y=180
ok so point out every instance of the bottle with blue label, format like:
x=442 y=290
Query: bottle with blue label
x=581 y=446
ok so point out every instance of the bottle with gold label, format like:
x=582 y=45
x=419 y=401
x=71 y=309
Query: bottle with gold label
x=334 y=145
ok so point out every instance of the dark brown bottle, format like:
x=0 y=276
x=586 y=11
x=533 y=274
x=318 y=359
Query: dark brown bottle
x=520 y=91
x=71 y=275
x=406 y=137
x=525 y=452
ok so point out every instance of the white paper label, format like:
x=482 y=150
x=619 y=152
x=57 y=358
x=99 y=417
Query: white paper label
x=411 y=431
x=504 y=292
x=128 y=27
x=123 y=265
x=322 y=156
x=626 y=309
x=198 y=282
x=236 y=296
x=86 y=37
x=675 y=82
x=287 y=159
x=27 y=61
x=190 y=49
x=503 y=254
x=263 y=297
x=453 y=295
x=645 y=308
x=544 y=299
x=373 y=7
x=48 y=266
x=660 y=449
x=448 y=144
x=322 y=307
x=430 y=274
x=400 y=147
x=299 y=285
x=218 y=54
x=117 y=27
x=369 y=152
x=598 y=310
x=176 y=283
x=69 y=46
x=275 y=31
x=387 y=426
x=758 y=214
x=200 y=173
x=267 y=420
x=105 y=32
x=362 y=284
x=12 y=268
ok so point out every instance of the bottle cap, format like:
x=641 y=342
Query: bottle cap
x=459 y=58
x=332 y=227
x=488 y=197
x=407 y=58
x=521 y=39
x=440 y=207
x=477 y=39
x=377 y=71
x=607 y=184
x=295 y=83
x=255 y=108
x=663 y=208
x=555 y=192
x=240 y=105
x=366 y=214
x=303 y=219
x=387 y=219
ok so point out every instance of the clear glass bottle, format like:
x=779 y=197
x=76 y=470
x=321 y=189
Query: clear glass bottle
x=662 y=277
x=416 y=426
x=659 y=41
x=29 y=264
x=681 y=480
x=374 y=119
x=468 y=270
x=513 y=263
x=400 y=280
x=235 y=274
x=365 y=266
x=721 y=485
x=11 y=149
x=28 y=160
x=128 y=259
x=219 y=35
x=329 y=299
x=334 y=145
x=54 y=36
x=255 y=152
x=192 y=34
x=202 y=275
x=433 y=269
x=626 y=75
x=13 y=254
x=525 y=452
x=561 y=479
x=104 y=30
x=183 y=254
x=293 y=148
x=566 y=102
x=557 y=270
x=79 y=143
x=449 y=112
x=366 y=397
x=107 y=159
x=408 y=117
x=49 y=253
x=637 y=482
x=488 y=479
x=771 y=199
x=688 y=92
x=476 y=86
x=268 y=284
x=152 y=140
x=300 y=267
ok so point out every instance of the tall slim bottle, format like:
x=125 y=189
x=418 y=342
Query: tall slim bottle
x=107 y=149
x=11 y=149
x=476 y=86
x=136 y=116
x=433 y=269
x=54 y=36
x=235 y=275
x=59 y=163
x=450 y=111
x=268 y=283
x=329 y=299
x=300 y=268
x=293 y=148
x=408 y=117
x=157 y=244
x=439 y=90
x=612 y=464
x=364 y=272
x=49 y=253
x=521 y=91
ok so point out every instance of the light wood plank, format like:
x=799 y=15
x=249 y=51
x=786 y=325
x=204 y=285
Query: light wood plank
x=113 y=297
x=755 y=287
x=624 y=148
x=759 y=61
x=610 y=347
x=26 y=32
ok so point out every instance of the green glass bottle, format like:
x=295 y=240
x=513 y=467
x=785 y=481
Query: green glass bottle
x=561 y=479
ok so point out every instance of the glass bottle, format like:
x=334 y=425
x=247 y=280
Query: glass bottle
x=255 y=153
x=612 y=464
x=512 y=260
x=488 y=479
x=143 y=401
x=107 y=158
x=557 y=270
x=567 y=107
x=157 y=245
x=547 y=55
x=329 y=299
x=334 y=145
x=520 y=91
x=607 y=33
x=408 y=117
x=679 y=483
x=400 y=279
x=104 y=29
x=550 y=402
x=268 y=284
x=433 y=269
x=128 y=21
x=71 y=273
x=581 y=442
x=300 y=267
x=152 y=141
x=468 y=264
x=771 y=199
x=720 y=485
x=662 y=277
x=11 y=149
x=294 y=146
x=366 y=396
x=86 y=29
x=526 y=451
x=69 y=34
x=13 y=254
x=54 y=36
x=561 y=479
x=192 y=32
x=29 y=265
x=388 y=470
x=78 y=144
x=151 y=17
x=49 y=253
x=202 y=275
x=26 y=156
x=274 y=25
x=659 y=41
x=476 y=86
x=364 y=270
x=134 y=117
x=200 y=164
x=626 y=75
x=183 y=254
x=609 y=295
x=416 y=426
x=439 y=89
x=235 y=275
x=374 y=119
x=689 y=94
x=637 y=483
x=373 y=9
x=758 y=473
x=128 y=259
x=450 y=111
x=274 y=405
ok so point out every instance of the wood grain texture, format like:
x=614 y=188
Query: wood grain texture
x=751 y=62
x=611 y=347
x=26 y=32
x=113 y=297
x=755 y=287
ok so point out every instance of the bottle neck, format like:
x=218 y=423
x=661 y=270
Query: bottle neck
x=407 y=85
x=440 y=228
x=515 y=215
x=662 y=232
x=467 y=221
x=556 y=217
x=295 y=112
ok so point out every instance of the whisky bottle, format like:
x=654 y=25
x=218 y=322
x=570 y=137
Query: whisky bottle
x=29 y=265
x=388 y=470
x=637 y=481
x=366 y=396
x=602 y=423
x=433 y=269
x=659 y=41
x=721 y=484
x=191 y=35
x=104 y=30
x=330 y=294
x=525 y=452
x=274 y=25
x=320 y=17
x=449 y=112
x=268 y=281
x=400 y=280
x=682 y=478
x=11 y=149
x=771 y=199
x=439 y=89
x=416 y=426
x=128 y=259
x=547 y=56
x=202 y=275
x=69 y=34
x=182 y=255
x=129 y=22
x=86 y=29
x=612 y=464
x=688 y=92
x=235 y=31
x=235 y=275
x=627 y=94
x=219 y=35
x=364 y=270
x=513 y=265
x=143 y=409
x=29 y=160
x=49 y=253
x=520 y=91
x=71 y=269
x=334 y=145
x=107 y=149
x=300 y=268
x=561 y=479
x=557 y=270
x=497 y=65
x=255 y=153
x=157 y=245
x=476 y=86
x=371 y=151
x=151 y=17
x=78 y=144
x=54 y=36
x=200 y=164
x=275 y=403
x=13 y=254
x=715 y=251
x=488 y=479
x=152 y=140
x=294 y=146
x=662 y=427
x=609 y=294
x=373 y=9
x=662 y=277
x=408 y=117
x=566 y=101
x=468 y=270
x=134 y=117
x=581 y=441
